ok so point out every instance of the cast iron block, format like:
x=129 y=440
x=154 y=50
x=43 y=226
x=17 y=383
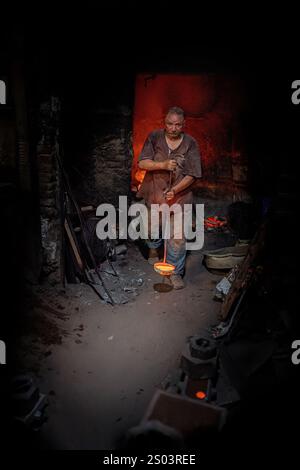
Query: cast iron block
x=202 y=348
x=197 y=368
x=175 y=382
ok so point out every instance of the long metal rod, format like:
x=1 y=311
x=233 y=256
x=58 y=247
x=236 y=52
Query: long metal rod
x=165 y=230
x=83 y=226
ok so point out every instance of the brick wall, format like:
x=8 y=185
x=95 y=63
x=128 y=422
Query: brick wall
x=51 y=231
x=103 y=163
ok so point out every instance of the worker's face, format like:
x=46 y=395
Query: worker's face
x=174 y=125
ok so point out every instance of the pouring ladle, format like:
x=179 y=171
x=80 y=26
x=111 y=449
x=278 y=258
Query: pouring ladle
x=163 y=268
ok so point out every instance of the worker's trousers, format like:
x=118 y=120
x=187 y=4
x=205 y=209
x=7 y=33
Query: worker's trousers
x=175 y=245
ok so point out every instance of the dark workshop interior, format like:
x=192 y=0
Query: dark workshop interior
x=96 y=357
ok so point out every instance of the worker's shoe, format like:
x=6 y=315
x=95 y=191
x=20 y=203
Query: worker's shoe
x=177 y=281
x=153 y=256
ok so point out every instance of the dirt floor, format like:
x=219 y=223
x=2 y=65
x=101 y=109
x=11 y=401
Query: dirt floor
x=99 y=364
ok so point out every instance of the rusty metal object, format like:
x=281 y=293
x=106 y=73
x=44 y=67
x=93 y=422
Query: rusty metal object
x=244 y=274
x=202 y=348
x=185 y=414
x=197 y=368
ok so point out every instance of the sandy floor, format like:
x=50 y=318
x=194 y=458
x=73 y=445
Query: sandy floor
x=100 y=364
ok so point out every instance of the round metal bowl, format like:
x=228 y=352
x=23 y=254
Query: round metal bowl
x=164 y=269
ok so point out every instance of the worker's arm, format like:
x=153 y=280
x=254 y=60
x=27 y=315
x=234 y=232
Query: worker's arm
x=151 y=165
x=183 y=184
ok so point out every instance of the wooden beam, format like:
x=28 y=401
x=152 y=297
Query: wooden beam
x=73 y=245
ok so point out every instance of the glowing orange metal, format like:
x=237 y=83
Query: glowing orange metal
x=139 y=175
x=201 y=395
x=165 y=269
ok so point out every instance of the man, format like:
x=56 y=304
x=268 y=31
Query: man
x=170 y=156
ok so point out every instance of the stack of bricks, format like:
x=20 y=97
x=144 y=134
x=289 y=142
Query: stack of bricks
x=51 y=227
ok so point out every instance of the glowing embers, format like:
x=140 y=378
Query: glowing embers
x=214 y=223
x=138 y=178
x=200 y=395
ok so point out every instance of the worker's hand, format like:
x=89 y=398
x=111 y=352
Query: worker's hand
x=170 y=165
x=169 y=195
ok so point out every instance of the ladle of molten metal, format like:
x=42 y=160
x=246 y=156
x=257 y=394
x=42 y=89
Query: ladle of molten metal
x=163 y=268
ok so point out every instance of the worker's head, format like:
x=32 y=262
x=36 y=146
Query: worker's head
x=174 y=122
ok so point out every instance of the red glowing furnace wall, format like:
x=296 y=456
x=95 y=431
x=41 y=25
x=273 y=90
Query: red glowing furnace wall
x=212 y=103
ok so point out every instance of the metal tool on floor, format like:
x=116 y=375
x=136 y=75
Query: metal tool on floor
x=92 y=276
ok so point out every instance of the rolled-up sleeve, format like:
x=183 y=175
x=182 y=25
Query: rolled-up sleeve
x=192 y=163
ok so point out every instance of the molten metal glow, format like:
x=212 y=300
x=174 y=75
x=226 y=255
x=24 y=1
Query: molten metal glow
x=138 y=178
x=165 y=269
x=213 y=103
x=139 y=175
x=201 y=395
